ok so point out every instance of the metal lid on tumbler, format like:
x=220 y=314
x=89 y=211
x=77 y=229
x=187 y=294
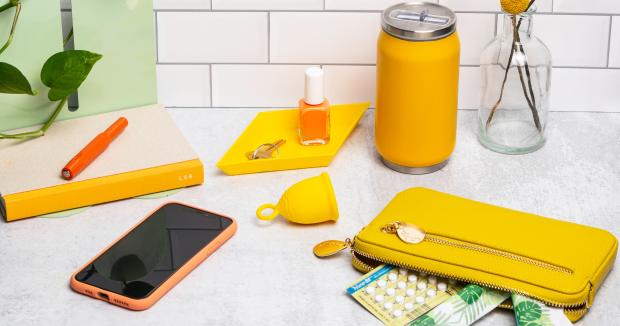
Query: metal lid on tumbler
x=418 y=21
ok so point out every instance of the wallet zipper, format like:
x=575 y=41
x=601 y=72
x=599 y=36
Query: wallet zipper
x=412 y=234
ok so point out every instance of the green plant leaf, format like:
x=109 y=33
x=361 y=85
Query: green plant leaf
x=64 y=72
x=424 y=320
x=471 y=293
x=528 y=311
x=12 y=81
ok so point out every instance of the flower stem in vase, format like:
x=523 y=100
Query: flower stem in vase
x=508 y=65
x=532 y=103
x=517 y=46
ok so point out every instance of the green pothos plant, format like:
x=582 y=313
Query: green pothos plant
x=63 y=73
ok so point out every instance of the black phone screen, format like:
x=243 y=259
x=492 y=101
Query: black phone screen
x=153 y=251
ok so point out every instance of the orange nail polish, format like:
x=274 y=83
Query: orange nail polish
x=314 y=126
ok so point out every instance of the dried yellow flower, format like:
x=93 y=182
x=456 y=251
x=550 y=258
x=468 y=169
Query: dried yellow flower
x=515 y=7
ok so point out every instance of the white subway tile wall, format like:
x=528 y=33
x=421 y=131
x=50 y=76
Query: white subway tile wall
x=212 y=37
x=268 y=4
x=564 y=33
x=598 y=86
x=350 y=84
x=182 y=4
x=589 y=6
x=323 y=37
x=362 y=4
x=184 y=85
x=614 y=43
x=257 y=85
x=252 y=53
x=475 y=31
x=489 y=5
x=469 y=88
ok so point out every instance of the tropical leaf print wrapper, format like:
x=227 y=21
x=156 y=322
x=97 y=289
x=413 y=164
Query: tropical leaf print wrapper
x=529 y=312
x=463 y=308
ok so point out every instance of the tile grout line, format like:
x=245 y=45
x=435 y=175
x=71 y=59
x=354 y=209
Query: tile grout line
x=547 y=13
x=344 y=65
x=210 y=85
x=611 y=21
x=267 y=64
x=586 y=67
x=211 y=70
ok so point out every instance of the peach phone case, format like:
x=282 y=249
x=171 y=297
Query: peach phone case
x=142 y=304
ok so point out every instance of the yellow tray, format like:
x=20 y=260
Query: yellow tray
x=270 y=126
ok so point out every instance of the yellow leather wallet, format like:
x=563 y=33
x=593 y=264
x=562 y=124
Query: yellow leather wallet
x=559 y=263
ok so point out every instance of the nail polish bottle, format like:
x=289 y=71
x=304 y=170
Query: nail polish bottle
x=314 y=110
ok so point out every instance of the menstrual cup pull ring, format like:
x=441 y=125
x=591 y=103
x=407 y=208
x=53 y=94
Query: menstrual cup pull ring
x=274 y=212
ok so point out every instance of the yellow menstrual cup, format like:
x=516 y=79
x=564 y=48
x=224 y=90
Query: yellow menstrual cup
x=309 y=201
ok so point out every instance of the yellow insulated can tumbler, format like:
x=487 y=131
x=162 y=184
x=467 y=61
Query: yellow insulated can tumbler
x=417 y=87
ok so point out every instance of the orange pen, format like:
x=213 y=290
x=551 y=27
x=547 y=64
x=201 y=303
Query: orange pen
x=97 y=146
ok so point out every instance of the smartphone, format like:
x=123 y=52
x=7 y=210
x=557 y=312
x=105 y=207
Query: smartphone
x=151 y=258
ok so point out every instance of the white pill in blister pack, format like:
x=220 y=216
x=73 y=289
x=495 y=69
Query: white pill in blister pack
x=397 y=294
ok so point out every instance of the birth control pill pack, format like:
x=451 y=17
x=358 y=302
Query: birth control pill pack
x=398 y=296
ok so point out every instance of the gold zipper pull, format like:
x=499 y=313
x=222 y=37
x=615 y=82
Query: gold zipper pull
x=408 y=233
x=331 y=247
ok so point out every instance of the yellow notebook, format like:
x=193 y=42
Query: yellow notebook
x=150 y=156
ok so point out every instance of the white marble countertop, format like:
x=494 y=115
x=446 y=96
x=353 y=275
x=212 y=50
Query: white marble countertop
x=266 y=274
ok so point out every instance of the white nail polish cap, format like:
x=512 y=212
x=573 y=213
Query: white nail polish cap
x=314 y=91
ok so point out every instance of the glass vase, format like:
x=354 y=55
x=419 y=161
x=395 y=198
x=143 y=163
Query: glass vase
x=516 y=77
